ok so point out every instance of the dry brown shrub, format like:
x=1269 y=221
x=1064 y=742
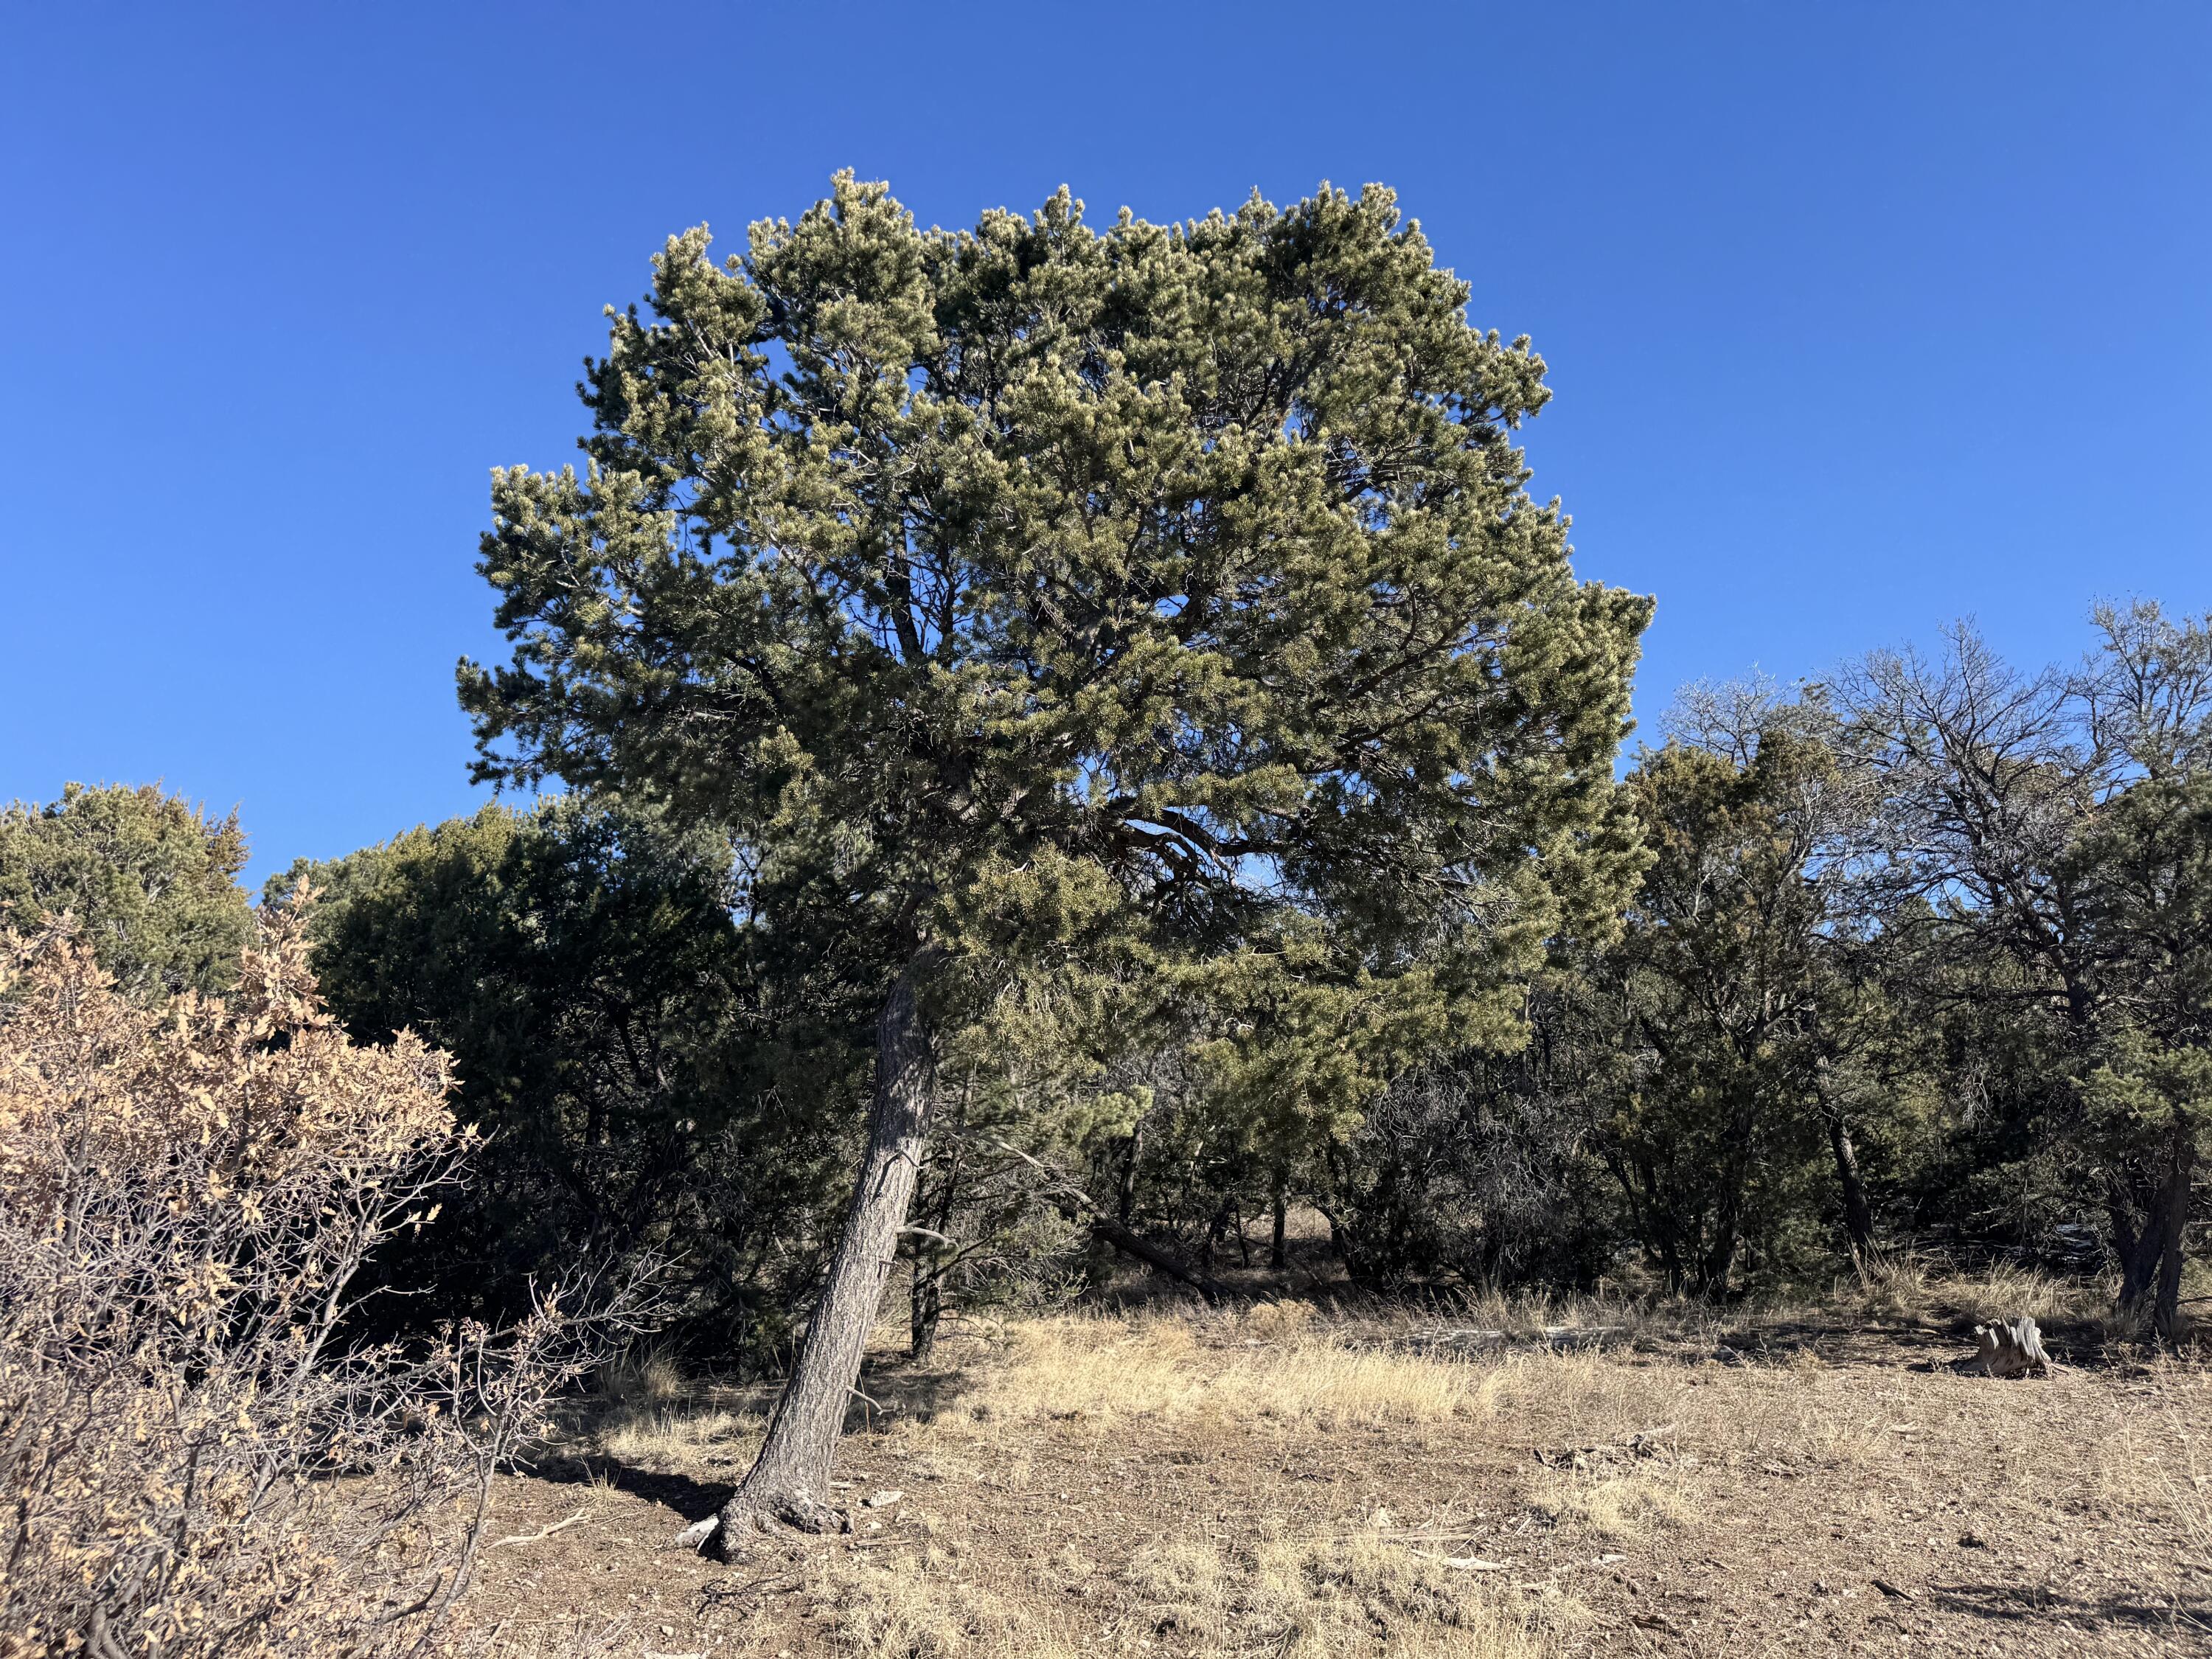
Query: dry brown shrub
x=197 y=1458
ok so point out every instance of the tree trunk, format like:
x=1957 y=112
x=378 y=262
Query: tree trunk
x=2150 y=1255
x=1715 y=1264
x=934 y=1257
x=1275 y=1256
x=1858 y=1219
x=928 y=1307
x=1216 y=1230
x=2131 y=1246
x=1126 y=1206
x=2172 y=1222
x=789 y=1482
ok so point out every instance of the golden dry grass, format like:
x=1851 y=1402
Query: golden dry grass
x=1905 y=1287
x=1074 y=1368
x=1310 y=1600
x=1291 y=1483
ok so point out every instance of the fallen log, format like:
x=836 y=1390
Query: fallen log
x=1073 y=1202
x=1133 y=1244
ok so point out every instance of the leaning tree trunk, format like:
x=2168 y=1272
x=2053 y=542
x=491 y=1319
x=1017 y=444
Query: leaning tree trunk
x=1858 y=1217
x=788 y=1484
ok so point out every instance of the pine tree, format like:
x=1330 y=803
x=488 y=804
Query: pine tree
x=1032 y=596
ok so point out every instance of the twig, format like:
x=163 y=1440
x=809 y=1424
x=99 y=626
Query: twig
x=543 y=1532
x=1464 y=1563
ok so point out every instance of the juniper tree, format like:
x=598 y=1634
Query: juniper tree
x=151 y=879
x=1034 y=594
x=2147 y=871
x=581 y=964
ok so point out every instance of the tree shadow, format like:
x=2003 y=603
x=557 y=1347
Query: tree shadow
x=889 y=1393
x=2036 y=1604
x=691 y=1500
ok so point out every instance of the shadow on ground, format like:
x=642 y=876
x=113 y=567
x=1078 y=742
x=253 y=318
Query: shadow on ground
x=889 y=1393
x=2039 y=1605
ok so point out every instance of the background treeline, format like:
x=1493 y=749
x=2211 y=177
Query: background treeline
x=1921 y=958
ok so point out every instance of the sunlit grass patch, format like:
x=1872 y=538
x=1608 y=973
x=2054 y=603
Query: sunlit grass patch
x=1073 y=1369
x=1615 y=1506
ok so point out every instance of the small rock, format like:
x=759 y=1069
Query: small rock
x=1972 y=1541
x=882 y=1500
x=668 y=1630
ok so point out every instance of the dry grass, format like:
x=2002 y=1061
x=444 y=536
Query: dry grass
x=1108 y=1370
x=1296 y=1483
x=1905 y=1287
x=1364 y=1596
x=1369 y=1595
x=910 y=1606
x=1616 y=1507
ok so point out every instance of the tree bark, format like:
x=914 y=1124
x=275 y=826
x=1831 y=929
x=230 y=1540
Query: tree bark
x=1126 y=1205
x=928 y=1308
x=1276 y=1259
x=1858 y=1218
x=1715 y=1263
x=2173 y=1228
x=933 y=1257
x=2150 y=1255
x=2131 y=1246
x=789 y=1482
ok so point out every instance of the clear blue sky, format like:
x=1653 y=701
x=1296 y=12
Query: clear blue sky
x=1860 y=316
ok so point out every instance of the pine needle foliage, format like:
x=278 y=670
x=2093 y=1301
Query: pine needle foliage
x=1039 y=595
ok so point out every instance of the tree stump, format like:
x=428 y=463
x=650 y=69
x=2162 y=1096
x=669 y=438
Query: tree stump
x=2014 y=1350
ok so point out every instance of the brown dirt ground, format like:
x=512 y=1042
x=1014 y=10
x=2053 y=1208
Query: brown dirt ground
x=1800 y=1489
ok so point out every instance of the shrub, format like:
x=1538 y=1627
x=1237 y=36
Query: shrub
x=199 y=1459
